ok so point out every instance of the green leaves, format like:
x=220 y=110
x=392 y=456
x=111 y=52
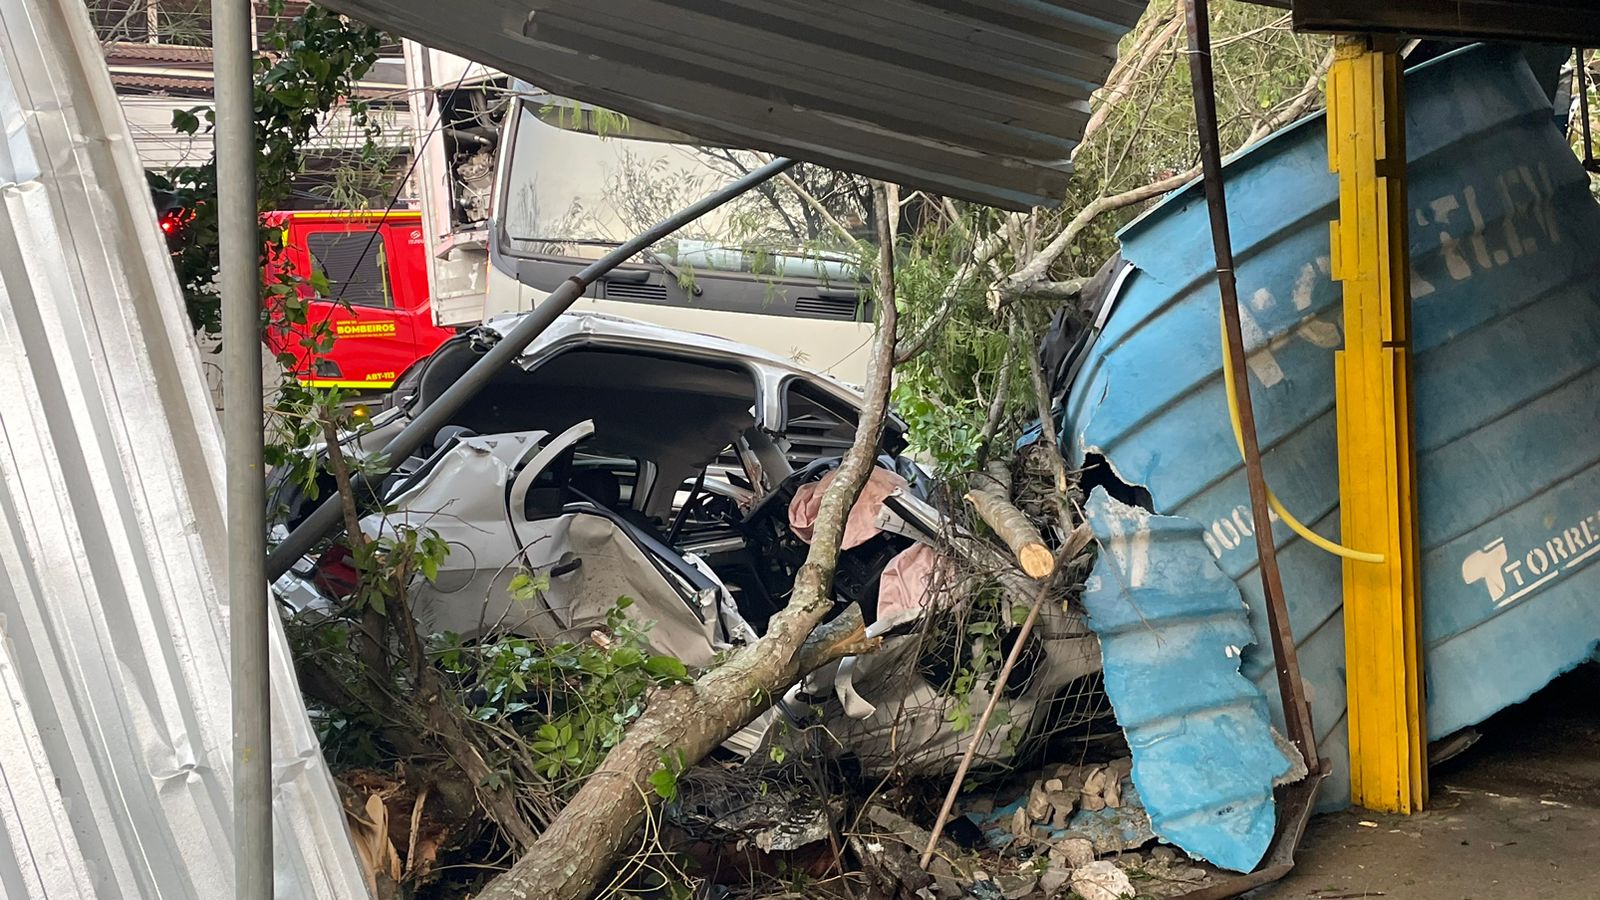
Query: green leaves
x=665 y=783
x=185 y=121
x=666 y=669
x=526 y=585
x=570 y=701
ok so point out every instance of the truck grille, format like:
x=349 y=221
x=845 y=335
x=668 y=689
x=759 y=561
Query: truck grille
x=842 y=309
x=636 y=292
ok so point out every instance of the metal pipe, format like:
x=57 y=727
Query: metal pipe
x=437 y=414
x=1296 y=711
x=239 y=238
x=1583 y=111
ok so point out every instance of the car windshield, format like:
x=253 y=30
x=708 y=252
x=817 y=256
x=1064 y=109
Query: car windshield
x=581 y=180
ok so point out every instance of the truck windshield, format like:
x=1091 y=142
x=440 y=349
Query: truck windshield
x=580 y=181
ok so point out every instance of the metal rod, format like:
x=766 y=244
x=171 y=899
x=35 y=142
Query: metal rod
x=239 y=238
x=1583 y=111
x=1296 y=712
x=437 y=414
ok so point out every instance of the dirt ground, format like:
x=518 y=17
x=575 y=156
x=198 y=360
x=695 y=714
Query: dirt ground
x=1516 y=817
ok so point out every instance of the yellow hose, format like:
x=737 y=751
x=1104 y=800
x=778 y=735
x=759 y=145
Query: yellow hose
x=1294 y=524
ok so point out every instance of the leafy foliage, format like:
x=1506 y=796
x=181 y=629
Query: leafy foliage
x=306 y=78
x=569 y=701
x=958 y=265
x=310 y=66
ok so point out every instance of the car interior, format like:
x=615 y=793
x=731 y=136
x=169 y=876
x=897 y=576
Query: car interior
x=675 y=466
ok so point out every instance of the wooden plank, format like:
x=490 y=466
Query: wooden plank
x=1377 y=463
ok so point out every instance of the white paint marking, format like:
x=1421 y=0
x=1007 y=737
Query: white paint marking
x=1303 y=285
x=1508 y=600
x=1261 y=362
x=1593 y=548
x=1322 y=334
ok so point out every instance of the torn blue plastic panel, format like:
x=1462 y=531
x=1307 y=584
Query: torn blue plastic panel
x=1172 y=630
x=1506 y=345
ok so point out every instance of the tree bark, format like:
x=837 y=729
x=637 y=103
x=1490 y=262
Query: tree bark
x=1013 y=527
x=681 y=724
x=997 y=405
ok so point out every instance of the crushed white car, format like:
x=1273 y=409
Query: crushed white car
x=620 y=459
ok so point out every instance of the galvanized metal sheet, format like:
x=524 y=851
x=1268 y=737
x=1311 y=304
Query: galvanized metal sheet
x=983 y=100
x=1507 y=389
x=113 y=635
x=1172 y=629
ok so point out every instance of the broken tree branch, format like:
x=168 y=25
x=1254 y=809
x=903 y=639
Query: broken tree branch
x=682 y=723
x=996 y=691
x=1142 y=53
x=370 y=625
x=1027 y=279
x=997 y=406
x=1013 y=527
x=1058 y=290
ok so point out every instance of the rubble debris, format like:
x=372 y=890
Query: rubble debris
x=1095 y=804
x=1075 y=853
x=1164 y=873
x=890 y=865
x=1101 y=880
x=1205 y=758
x=888 y=845
x=1054 y=879
x=1111 y=830
x=1018 y=884
x=1038 y=807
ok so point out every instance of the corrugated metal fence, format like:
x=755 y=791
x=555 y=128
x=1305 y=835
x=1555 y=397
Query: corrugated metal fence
x=114 y=663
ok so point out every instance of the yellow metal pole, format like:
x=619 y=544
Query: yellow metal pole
x=1377 y=461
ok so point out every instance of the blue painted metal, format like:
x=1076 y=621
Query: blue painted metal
x=1507 y=390
x=1172 y=630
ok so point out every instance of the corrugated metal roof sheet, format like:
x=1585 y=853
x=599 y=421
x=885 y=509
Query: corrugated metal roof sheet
x=116 y=749
x=135 y=52
x=983 y=99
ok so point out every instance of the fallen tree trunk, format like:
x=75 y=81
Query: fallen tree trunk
x=681 y=724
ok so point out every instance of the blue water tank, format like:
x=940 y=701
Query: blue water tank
x=1505 y=243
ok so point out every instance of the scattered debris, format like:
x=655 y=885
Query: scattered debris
x=1452 y=745
x=1101 y=880
x=1075 y=852
x=1093 y=807
x=1054 y=879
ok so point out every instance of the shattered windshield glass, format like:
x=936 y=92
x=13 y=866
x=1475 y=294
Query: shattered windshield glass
x=581 y=180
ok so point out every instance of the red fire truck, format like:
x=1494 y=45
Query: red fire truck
x=375 y=301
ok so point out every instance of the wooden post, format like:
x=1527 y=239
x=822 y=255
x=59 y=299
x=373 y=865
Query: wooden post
x=1377 y=459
